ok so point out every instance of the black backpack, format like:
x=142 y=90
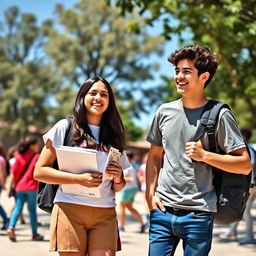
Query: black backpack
x=253 y=152
x=232 y=189
x=46 y=192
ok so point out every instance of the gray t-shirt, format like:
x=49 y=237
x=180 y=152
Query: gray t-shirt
x=183 y=183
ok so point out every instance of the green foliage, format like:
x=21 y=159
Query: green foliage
x=133 y=132
x=41 y=67
x=25 y=81
x=229 y=28
x=94 y=39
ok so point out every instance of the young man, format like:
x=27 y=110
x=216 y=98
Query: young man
x=181 y=196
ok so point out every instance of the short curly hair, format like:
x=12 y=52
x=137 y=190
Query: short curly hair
x=204 y=59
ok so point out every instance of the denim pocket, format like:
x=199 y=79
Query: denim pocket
x=202 y=215
x=153 y=210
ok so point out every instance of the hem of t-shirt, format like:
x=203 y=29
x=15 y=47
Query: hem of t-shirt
x=27 y=189
x=189 y=208
x=130 y=188
x=86 y=203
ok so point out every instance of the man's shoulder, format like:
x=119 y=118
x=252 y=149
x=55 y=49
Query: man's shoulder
x=170 y=105
x=219 y=109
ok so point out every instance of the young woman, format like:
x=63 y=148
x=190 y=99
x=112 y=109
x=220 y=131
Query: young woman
x=84 y=225
x=21 y=175
x=3 y=174
x=11 y=158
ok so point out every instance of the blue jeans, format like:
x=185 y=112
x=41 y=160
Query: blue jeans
x=20 y=198
x=167 y=228
x=2 y=211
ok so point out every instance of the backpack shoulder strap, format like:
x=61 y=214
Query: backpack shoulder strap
x=208 y=122
x=67 y=138
x=68 y=133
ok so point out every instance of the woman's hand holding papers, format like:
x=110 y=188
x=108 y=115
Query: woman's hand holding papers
x=90 y=179
x=114 y=170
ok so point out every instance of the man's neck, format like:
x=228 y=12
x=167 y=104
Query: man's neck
x=196 y=102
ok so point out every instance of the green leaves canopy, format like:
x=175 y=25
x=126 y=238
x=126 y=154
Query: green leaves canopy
x=229 y=28
x=42 y=67
x=25 y=80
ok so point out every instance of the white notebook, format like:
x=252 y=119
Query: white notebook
x=77 y=160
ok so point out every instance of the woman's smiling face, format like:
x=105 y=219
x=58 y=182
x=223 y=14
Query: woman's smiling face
x=96 y=102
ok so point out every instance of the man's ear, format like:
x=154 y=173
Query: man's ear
x=205 y=76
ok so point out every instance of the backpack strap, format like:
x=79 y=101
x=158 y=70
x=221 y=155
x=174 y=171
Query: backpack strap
x=68 y=133
x=67 y=139
x=208 y=123
x=209 y=120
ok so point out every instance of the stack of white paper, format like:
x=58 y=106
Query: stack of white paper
x=77 y=160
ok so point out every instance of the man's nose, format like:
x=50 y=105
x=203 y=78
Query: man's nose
x=180 y=75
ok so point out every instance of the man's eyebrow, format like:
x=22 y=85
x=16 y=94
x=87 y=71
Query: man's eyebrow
x=186 y=68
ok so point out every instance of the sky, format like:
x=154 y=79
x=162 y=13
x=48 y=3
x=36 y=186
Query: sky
x=43 y=9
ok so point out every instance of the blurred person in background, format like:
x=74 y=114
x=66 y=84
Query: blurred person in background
x=3 y=174
x=21 y=175
x=12 y=152
x=136 y=160
x=128 y=195
x=141 y=173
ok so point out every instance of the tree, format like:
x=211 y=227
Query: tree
x=25 y=80
x=228 y=27
x=96 y=40
x=42 y=66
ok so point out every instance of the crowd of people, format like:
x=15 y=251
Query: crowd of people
x=175 y=177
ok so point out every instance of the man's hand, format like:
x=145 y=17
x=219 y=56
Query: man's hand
x=195 y=150
x=155 y=203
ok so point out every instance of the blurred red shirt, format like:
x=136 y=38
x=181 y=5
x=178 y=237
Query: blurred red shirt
x=27 y=182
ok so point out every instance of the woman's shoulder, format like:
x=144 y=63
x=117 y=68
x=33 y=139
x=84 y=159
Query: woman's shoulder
x=57 y=133
x=24 y=155
x=61 y=124
x=2 y=161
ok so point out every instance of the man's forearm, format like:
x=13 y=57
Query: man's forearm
x=152 y=172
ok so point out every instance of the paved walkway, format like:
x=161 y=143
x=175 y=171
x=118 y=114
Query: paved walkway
x=133 y=243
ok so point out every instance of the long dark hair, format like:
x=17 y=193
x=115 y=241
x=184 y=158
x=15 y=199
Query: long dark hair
x=24 y=144
x=112 y=129
x=2 y=151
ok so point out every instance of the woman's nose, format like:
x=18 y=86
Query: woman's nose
x=97 y=96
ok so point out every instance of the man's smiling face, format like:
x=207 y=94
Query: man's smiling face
x=186 y=78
